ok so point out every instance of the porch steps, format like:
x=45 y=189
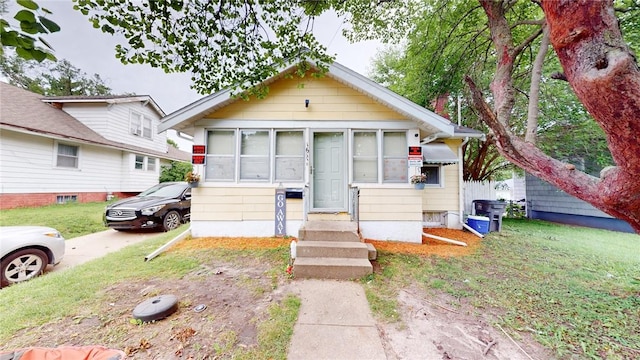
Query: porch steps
x=332 y=250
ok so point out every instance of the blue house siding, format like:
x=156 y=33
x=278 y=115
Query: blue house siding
x=546 y=202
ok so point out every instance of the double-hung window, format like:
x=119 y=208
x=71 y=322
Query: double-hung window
x=67 y=156
x=394 y=152
x=254 y=155
x=221 y=155
x=289 y=156
x=365 y=156
x=141 y=125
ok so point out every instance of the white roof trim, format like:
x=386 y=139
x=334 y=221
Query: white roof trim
x=123 y=100
x=359 y=82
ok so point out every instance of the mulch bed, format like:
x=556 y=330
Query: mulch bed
x=431 y=246
x=428 y=247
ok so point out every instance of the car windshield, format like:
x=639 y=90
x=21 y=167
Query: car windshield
x=164 y=190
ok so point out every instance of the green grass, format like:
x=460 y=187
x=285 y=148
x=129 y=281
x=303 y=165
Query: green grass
x=58 y=294
x=72 y=219
x=577 y=289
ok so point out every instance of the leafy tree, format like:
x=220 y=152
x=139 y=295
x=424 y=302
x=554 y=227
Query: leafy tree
x=32 y=20
x=172 y=143
x=241 y=42
x=52 y=79
x=175 y=171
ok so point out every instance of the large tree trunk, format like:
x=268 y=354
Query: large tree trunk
x=606 y=79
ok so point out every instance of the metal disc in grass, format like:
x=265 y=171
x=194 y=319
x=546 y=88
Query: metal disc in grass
x=156 y=308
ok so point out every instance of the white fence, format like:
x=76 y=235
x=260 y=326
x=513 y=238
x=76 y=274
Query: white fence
x=475 y=190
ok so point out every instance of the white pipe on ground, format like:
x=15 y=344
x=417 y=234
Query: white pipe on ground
x=167 y=245
x=472 y=230
x=455 y=242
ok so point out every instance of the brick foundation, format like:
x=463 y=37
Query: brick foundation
x=11 y=201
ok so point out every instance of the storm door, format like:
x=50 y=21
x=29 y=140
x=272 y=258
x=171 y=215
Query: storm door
x=329 y=179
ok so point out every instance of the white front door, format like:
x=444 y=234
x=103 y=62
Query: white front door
x=329 y=180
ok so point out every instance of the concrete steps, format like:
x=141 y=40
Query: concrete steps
x=332 y=250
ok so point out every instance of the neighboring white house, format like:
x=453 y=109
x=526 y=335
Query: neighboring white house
x=56 y=149
x=344 y=147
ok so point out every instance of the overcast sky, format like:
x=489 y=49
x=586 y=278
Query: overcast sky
x=93 y=52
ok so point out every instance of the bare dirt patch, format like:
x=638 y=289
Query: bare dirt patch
x=237 y=295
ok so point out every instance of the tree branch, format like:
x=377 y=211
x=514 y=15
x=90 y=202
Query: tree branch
x=534 y=92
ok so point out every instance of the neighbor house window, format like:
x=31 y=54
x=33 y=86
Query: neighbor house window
x=151 y=164
x=394 y=151
x=432 y=172
x=365 y=156
x=139 y=163
x=141 y=125
x=221 y=155
x=67 y=156
x=63 y=199
x=289 y=156
x=254 y=155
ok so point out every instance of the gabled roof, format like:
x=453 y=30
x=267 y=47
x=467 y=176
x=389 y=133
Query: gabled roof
x=108 y=99
x=181 y=119
x=24 y=111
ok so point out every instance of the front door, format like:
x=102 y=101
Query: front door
x=329 y=172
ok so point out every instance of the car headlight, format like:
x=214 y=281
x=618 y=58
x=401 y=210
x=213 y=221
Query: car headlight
x=151 y=210
x=53 y=234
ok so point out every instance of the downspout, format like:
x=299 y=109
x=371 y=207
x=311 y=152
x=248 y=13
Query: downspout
x=460 y=182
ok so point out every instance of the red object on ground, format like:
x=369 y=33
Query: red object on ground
x=66 y=353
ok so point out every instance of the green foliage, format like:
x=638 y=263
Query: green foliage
x=577 y=295
x=175 y=171
x=51 y=79
x=71 y=219
x=172 y=143
x=223 y=44
x=32 y=20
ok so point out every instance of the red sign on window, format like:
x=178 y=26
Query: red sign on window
x=199 y=149
x=197 y=159
x=415 y=151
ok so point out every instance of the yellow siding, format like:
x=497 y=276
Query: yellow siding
x=236 y=204
x=443 y=199
x=390 y=204
x=329 y=100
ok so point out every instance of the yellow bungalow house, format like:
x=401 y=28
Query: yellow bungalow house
x=338 y=147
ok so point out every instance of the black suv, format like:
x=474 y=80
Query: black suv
x=165 y=206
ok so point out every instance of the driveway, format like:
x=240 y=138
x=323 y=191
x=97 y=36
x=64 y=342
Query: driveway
x=84 y=248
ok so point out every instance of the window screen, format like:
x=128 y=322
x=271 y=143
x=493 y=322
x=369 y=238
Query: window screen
x=254 y=155
x=67 y=156
x=221 y=152
x=394 y=149
x=289 y=157
x=365 y=156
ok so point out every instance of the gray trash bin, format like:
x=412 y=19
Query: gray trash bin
x=493 y=209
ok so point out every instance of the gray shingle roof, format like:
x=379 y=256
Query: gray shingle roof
x=25 y=111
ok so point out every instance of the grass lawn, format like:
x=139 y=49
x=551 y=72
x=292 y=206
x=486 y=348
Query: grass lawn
x=71 y=219
x=576 y=289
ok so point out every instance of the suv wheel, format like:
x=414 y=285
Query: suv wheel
x=171 y=220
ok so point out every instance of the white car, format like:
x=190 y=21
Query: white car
x=25 y=251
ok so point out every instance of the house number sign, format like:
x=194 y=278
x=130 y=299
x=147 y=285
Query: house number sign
x=281 y=213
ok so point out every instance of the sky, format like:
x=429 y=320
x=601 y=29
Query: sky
x=93 y=52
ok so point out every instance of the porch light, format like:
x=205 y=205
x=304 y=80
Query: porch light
x=306 y=103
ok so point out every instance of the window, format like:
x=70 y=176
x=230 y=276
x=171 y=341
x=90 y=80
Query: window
x=63 y=199
x=67 y=156
x=365 y=156
x=432 y=173
x=141 y=125
x=254 y=155
x=221 y=155
x=139 y=163
x=394 y=151
x=151 y=164
x=289 y=156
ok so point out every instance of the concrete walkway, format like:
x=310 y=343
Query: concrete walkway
x=84 y=248
x=334 y=322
